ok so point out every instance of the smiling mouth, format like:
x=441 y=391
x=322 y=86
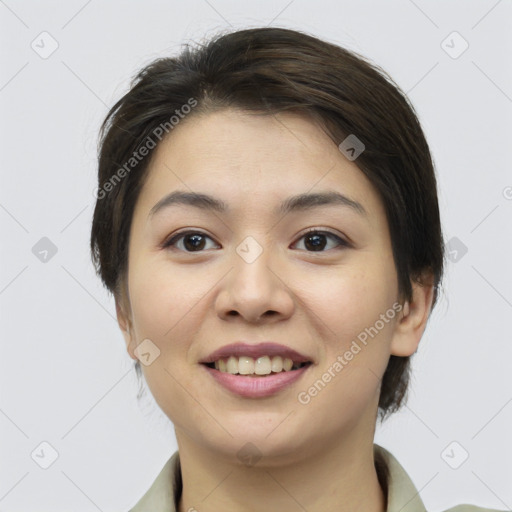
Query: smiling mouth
x=261 y=367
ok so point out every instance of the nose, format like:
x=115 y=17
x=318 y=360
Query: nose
x=254 y=292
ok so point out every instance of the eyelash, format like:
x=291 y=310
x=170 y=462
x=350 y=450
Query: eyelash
x=172 y=241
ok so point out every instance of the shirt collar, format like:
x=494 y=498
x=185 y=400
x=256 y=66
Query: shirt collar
x=402 y=496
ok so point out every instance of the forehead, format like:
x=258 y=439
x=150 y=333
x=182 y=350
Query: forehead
x=248 y=159
x=243 y=140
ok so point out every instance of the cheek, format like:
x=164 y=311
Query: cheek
x=356 y=296
x=168 y=307
x=356 y=345
x=163 y=311
x=161 y=299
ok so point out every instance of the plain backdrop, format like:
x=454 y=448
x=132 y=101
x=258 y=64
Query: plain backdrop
x=66 y=380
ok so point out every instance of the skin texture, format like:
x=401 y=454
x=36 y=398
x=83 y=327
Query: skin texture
x=317 y=455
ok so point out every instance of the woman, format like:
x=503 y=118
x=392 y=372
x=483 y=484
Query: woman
x=267 y=220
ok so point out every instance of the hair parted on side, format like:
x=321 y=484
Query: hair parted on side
x=268 y=71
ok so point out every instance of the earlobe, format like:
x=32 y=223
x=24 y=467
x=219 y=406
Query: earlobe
x=125 y=325
x=411 y=323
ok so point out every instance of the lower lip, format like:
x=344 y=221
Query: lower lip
x=256 y=387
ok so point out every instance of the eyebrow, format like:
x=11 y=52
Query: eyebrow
x=296 y=203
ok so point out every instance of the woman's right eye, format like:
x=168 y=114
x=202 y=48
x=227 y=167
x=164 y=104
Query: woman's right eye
x=193 y=241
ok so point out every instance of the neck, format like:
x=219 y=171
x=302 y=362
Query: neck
x=339 y=477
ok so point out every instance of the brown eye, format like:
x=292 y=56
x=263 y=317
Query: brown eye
x=193 y=241
x=315 y=240
x=196 y=241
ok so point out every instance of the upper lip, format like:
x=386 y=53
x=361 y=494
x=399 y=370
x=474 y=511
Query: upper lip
x=267 y=348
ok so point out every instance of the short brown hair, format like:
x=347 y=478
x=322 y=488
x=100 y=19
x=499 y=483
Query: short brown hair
x=271 y=70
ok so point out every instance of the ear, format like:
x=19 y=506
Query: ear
x=125 y=324
x=413 y=320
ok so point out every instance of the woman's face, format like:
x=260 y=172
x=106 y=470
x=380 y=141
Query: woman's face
x=252 y=274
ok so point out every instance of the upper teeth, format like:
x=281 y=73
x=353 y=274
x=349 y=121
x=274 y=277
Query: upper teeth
x=245 y=365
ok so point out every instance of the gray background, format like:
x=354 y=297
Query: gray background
x=65 y=377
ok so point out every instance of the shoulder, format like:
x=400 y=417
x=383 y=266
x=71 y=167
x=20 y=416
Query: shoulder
x=472 y=508
x=165 y=492
x=402 y=494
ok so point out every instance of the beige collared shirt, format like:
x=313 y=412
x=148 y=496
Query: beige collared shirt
x=402 y=496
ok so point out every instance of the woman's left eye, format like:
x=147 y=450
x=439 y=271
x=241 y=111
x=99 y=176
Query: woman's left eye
x=195 y=241
x=315 y=239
